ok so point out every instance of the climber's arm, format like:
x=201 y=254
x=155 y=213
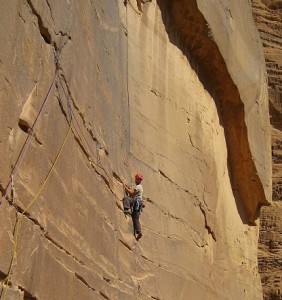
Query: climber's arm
x=131 y=192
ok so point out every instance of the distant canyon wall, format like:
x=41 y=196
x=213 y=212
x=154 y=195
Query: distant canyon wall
x=173 y=89
x=268 y=17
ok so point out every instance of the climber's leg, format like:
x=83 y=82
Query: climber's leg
x=127 y=204
x=136 y=225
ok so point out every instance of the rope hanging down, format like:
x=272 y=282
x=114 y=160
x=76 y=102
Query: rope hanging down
x=35 y=198
x=28 y=140
x=20 y=158
x=10 y=186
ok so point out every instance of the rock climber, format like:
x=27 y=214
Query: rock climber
x=133 y=204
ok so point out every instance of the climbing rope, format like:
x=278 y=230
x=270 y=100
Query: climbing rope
x=10 y=186
x=27 y=141
x=50 y=171
x=35 y=198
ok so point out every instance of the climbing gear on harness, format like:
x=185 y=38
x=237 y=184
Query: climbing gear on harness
x=137 y=204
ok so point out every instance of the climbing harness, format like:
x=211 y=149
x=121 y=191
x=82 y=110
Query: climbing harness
x=137 y=204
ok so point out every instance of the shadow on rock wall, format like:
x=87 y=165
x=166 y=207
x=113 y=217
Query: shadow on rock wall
x=188 y=30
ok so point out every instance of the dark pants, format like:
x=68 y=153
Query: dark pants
x=136 y=223
x=128 y=205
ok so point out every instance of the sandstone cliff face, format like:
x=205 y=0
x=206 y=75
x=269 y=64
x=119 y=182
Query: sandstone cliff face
x=267 y=15
x=160 y=87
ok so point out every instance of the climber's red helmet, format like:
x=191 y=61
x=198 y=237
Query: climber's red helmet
x=139 y=176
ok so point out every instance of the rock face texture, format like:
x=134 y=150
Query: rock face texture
x=268 y=17
x=92 y=92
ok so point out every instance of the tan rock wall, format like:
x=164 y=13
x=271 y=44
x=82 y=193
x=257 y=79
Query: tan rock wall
x=207 y=45
x=138 y=103
x=267 y=15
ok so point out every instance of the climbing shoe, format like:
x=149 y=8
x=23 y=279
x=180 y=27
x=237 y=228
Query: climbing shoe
x=139 y=235
x=127 y=211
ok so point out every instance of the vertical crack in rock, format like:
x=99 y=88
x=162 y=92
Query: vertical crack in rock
x=43 y=29
x=188 y=30
x=79 y=139
x=50 y=9
x=208 y=228
x=191 y=141
x=79 y=112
